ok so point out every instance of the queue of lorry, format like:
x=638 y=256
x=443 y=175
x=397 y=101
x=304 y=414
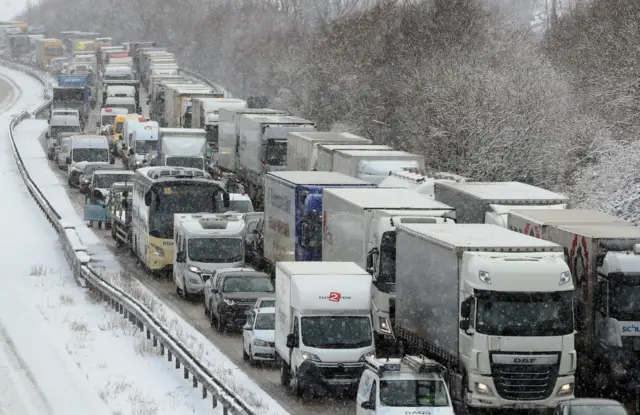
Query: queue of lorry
x=499 y=295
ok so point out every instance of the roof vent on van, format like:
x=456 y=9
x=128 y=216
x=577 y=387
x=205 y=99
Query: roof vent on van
x=418 y=220
x=213 y=223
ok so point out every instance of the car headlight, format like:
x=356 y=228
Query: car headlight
x=310 y=357
x=385 y=325
x=367 y=355
x=566 y=389
x=260 y=343
x=158 y=251
x=194 y=269
x=229 y=302
x=194 y=280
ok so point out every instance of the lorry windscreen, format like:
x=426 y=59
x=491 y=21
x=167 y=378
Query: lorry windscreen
x=68 y=94
x=57 y=129
x=524 y=314
x=386 y=278
x=166 y=200
x=90 y=154
x=107 y=120
x=413 y=393
x=623 y=299
x=276 y=153
x=146 y=146
x=336 y=332
x=216 y=250
x=194 y=162
x=54 y=51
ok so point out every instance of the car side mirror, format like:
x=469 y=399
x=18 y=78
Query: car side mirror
x=464 y=325
x=46 y=135
x=226 y=200
x=255 y=232
x=181 y=257
x=247 y=327
x=98 y=124
x=147 y=198
x=68 y=161
x=368 y=405
x=292 y=341
x=215 y=291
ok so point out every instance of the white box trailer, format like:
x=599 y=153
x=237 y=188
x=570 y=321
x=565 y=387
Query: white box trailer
x=490 y=202
x=537 y=222
x=323 y=325
x=327 y=151
x=182 y=147
x=375 y=166
x=302 y=147
x=502 y=298
x=177 y=103
x=229 y=133
x=359 y=226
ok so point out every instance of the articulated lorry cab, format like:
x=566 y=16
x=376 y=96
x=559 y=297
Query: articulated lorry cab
x=359 y=225
x=323 y=330
x=603 y=253
x=490 y=202
x=494 y=306
x=302 y=147
x=293 y=212
x=72 y=92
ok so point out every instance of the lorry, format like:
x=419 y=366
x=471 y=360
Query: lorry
x=490 y=202
x=302 y=147
x=603 y=253
x=205 y=113
x=181 y=147
x=106 y=83
x=163 y=105
x=493 y=306
x=72 y=92
x=326 y=153
x=143 y=145
x=263 y=147
x=229 y=134
x=359 y=225
x=419 y=183
x=18 y=47
x=375 y=166
x=178 y=102
x=323 y=324
x=293 y=213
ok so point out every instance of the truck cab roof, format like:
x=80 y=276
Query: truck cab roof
x=317 y=178
x=568 y=217
x=387 y=198
x=505 y=192
x=276 y=119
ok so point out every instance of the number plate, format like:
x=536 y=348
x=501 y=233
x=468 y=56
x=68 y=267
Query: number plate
x=524 y=406
x=636 y=344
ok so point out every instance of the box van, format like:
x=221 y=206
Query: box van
x=60 y=124
x=108 y=116
x=118 y=124
x=121 y=102
x=85 y=150
x=143 y=145
x=130 y=124
x=118 y=73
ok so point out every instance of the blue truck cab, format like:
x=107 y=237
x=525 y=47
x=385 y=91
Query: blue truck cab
x=293 y=213
x=73 y=91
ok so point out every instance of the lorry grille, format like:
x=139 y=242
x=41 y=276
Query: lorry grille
x=524 y=382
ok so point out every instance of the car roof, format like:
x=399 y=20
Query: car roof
x=592 y=402
x=240 y=273
x=266 y=310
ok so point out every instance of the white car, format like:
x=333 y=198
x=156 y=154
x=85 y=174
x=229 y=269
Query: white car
x=63 y=153
x=258 y=335
x=265 y=302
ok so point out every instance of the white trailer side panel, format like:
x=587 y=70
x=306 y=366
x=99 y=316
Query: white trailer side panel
x=280 y=221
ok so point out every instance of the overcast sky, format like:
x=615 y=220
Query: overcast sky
x=10 y=8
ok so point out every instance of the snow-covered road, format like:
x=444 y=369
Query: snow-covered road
x=62 y=351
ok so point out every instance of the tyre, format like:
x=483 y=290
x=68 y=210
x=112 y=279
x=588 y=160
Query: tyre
x=285 y=374
x=245 y=355
x=220 y=323
x=212 y=316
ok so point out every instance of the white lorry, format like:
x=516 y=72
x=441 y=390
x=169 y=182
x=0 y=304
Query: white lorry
x=323 y=324
x=603 y=253
x=229 y=134
x=359 y=225
x=181 y=147
x=490 y=202
x=177 y=109
x=494 y=306
x=326 y=153
x=419 y=183
x=375 y=166
x=61 y=122
x=205 y=242
x=143 y=145
x=302 y=147
x=205 y=113
x=263 y=147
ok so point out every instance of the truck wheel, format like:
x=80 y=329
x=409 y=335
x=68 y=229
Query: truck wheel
x=285 y=374
x=299 y=388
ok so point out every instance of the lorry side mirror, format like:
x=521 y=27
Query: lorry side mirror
x=465 y=308
x=131 y=153
x=47 y=135
x=98 y=124
x=368 y=405
x=181 y=257
x=68 y=160
x=226 y=200
x=464 y=325
x=112 y=160
x=292 y=341
x=147 y=198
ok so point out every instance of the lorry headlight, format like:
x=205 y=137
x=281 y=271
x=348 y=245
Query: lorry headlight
x=260 y=343
x=483 y=389
x=229 y=302
x=566 y=389
x=310 y=356
x=195 y=270
x=484 y=277
x=565 y=277
x=385 y=325
x=367 y=355
x=618 y=369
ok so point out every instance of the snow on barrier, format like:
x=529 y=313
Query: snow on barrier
x=130 y=308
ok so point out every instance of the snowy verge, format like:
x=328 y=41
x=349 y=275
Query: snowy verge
x=208 y=363
x=130 y=307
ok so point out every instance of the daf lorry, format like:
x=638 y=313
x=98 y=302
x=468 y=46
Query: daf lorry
x=358 y=225
x=490 y=202
x=493 y=306
x=327 y=151
x=323 y=324
x=293 y=213
x=302 y=147
x=375 y=166
x=263 y=148
x=229 y=134
x=182 y=147
x=603 y=253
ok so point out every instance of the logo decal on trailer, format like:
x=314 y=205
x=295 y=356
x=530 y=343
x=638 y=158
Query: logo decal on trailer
x=327 y=236
x=579 y=263
x=532 y=231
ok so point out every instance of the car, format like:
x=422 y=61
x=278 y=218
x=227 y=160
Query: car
x=232 y=292
x=252 y=219
x=265 y=302
x=210 y=282
x=589 y=406
x=256 y=249
x=258 y=335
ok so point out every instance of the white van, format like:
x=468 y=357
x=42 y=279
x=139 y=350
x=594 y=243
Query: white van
x=108 y=117
x=121 y=91
x=143 y=145
x=121 y=102
x=84 y=150
x=59 y=123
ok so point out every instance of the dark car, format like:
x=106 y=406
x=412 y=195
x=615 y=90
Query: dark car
x=252 y=219
x=233 y=293
x=256 y=249
x=588 y=406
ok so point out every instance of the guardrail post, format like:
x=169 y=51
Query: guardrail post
x=169 y=355
x=148 y=334
x=155 y=341
x=204 y=392
x=177 y=363
x=195 y=382
x=186 y=373
x=214 y=401
x=161 y=349
x=225 y=411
